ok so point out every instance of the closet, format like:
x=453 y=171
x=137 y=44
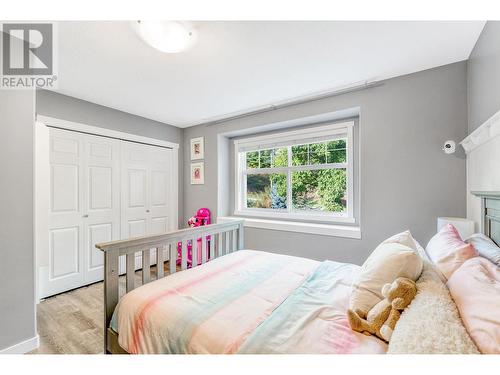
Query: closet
x=101 y=189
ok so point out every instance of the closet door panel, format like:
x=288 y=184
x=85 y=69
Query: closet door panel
x=134 y=185
x=65 y=267
x=102 y=200
x=146 y=192
x=160 y=191
x=64 y=252
x=97 y=233
x=137 y=228
x=159 y=225
x=137 y=185
x=65 y=182
x=159 y=202
x=100 y=188
x=134 y=194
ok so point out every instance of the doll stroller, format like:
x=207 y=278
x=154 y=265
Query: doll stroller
x=201 y=218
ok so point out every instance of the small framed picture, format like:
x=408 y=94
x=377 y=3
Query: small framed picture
x=197 y=148
x=197 y=173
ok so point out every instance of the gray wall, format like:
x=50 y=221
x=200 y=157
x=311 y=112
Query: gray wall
x=17 y=284
x=483 y=76
x=64 y=107
x=406 y=180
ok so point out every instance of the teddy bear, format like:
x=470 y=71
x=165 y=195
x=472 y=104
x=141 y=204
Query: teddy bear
x=382 y=318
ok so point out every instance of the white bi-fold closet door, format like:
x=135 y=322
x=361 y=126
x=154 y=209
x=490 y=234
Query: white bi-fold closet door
x=145 y=196
x=101 y=189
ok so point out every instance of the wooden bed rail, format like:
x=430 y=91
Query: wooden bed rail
x=216 y=240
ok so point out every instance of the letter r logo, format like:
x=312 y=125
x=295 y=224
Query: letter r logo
x=27 y=49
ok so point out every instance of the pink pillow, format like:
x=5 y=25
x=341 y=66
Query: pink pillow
x=475 y=287
x=447 y=250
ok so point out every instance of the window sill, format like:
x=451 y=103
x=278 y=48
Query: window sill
x=287 y=217
x=299 y=227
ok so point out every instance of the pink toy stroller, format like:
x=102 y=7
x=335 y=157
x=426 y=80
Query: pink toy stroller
x=201 y=218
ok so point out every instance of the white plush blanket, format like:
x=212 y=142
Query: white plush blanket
x=431 y=324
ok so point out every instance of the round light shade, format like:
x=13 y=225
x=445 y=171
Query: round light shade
x=166 y=36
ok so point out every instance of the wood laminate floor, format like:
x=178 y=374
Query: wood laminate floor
x=72 y=322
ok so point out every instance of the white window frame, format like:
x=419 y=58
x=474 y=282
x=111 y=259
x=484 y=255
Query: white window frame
x=269 y=141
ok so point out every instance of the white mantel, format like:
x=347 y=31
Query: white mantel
x=482 y=147
x=484 y=133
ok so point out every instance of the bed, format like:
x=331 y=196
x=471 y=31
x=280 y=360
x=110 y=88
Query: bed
x=236 y=300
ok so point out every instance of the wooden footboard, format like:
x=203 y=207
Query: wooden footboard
x=216 y=240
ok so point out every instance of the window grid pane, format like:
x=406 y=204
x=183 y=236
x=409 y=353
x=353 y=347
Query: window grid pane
x=322 y=190
x=319 y=190
x=266 y=191
x=269 y=158
x=325 y=152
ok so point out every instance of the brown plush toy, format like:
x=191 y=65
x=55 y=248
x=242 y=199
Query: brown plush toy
x=382 y=317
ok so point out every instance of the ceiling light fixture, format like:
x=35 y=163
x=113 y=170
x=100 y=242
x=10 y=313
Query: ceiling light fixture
x=166 y=36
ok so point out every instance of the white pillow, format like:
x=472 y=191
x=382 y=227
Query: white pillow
x=448 y=251
x=422 y=253
x=485 y=247
x=395 y=257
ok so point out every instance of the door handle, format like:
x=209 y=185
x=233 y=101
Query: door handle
x=85 y=216
x=147 y=211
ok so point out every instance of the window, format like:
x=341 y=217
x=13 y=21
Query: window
x=301 y=174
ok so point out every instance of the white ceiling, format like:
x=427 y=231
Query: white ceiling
x=240 y=66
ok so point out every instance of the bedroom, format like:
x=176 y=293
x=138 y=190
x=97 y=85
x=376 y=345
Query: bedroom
x=268 y=167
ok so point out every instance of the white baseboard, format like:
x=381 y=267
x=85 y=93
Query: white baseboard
x=22 y=347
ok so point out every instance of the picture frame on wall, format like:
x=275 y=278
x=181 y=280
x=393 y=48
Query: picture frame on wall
x=197 y=173
x=197 y=148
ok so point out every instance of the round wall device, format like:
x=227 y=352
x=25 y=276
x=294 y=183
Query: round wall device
x=449 y=147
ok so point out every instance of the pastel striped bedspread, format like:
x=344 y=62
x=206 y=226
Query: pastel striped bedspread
x=245 y=302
